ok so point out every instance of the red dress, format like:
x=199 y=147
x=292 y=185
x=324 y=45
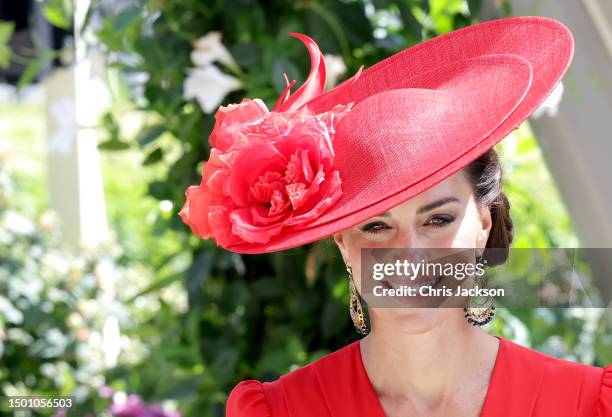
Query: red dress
x=524 y=383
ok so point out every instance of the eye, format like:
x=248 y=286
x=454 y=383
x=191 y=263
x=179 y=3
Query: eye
x=374 y=227
x=440 y=220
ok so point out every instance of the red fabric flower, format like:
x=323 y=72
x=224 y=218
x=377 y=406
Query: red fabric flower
x=267 y=171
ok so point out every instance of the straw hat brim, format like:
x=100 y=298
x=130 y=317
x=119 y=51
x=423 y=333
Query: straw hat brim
x=426 y=112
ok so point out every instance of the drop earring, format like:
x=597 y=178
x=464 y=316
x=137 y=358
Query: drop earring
x=355 y=307
x=479 y=314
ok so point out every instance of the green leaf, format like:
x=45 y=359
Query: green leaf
x=126 y=18
x=150 y=135
x=507 y=8
x=31 y=72
x=158 y=285
x=443 y=12
x=109 y=37
x=59 y=13
x=155 y=156
x=160 y=190
x=6 y=32
x=113 y=145
x=603 y=341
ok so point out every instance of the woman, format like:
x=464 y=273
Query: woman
x=400 y=155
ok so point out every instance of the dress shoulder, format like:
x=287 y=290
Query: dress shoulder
x=321 y=388
x=591 y=384
x=604 y=407
x=247 y=399
x=528 y=382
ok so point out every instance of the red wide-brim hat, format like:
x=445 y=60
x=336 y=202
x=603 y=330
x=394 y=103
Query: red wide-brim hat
x=321 y=162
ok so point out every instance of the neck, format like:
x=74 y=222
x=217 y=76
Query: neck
x=427 y=367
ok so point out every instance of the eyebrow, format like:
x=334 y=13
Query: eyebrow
x=428 y=207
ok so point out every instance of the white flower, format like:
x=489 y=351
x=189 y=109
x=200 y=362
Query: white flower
x=335 y=68
x=550 y=106
x=209 y=86
x=209 y=49
x=19 y=224
x=119 y=397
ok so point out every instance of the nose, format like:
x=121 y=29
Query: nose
x=407 y=238
x=406 y=245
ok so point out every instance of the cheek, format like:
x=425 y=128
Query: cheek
x=355 y=241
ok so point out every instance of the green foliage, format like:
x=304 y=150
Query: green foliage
x=250 y=316
x=59 y=12
x=44 y=325
x=6 y=31
x=543 y=222
x=243 y=316
x=526 y=176
x=55 y=307
x=260 y=316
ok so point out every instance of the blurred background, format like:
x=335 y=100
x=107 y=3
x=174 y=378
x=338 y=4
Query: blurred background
x=105 y=111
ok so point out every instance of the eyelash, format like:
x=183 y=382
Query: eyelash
x=445 y=220
x=369 y=228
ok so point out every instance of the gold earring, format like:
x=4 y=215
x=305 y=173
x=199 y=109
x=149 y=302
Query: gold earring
x=479 y=315
x=355 y=307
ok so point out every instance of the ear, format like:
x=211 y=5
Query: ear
x=486 y=222
x=339 y=239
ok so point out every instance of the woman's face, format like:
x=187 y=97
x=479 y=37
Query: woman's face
x=445 y=216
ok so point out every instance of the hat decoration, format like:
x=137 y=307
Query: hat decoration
x=268 y=170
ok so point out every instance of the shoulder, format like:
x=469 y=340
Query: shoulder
x=562 y=378
x=247 y=399
x=605 y=396
x=252 y=398
x=559 y=367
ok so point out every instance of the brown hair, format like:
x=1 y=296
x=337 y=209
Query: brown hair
x=485 y=176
